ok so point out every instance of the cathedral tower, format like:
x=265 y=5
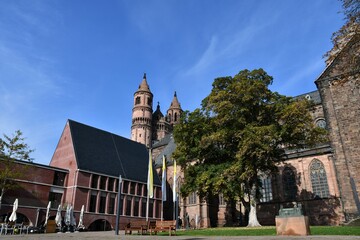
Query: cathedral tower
x=141 y=128
x=161 y=126
x=174 y=111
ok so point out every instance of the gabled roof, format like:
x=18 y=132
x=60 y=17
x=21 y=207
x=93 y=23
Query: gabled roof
x=107 y=153
x=326 y=74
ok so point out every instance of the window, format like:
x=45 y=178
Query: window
x=103 y=182
x=143 y=207
x=55 y=199
x=175 y=117
x=149 y=101
x=139 y=189
x=320 y=123
x=266 y=190
x=125 y=186
x=192 y=198
x=111 y=184
x=151 y=207
x=93 y=198
x=59 y=178
x=137 y=100
x=132 y=187
x=289 y=184
x=128 y=206
x=111 y=207
x=221 y=199
x=318 y=179
x=94 y=181
x=136 y=207
x=102 y=202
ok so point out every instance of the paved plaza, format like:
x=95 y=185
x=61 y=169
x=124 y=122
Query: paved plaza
x=111 y=235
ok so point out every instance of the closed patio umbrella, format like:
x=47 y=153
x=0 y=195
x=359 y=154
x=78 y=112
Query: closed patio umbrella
x=72 y=217
x=68 y=215
x=13 y=214
x=58 y=217
x=81 y=224
x=47 y=213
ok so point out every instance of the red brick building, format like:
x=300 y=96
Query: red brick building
x=85 y=170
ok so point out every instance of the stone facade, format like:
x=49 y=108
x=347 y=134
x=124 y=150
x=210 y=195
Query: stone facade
x=339 y=86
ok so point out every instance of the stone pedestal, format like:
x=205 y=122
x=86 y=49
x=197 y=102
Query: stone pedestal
x=292 y=225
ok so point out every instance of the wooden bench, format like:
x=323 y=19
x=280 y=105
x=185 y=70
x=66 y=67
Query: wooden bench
x=164 y=226
x=136 y=225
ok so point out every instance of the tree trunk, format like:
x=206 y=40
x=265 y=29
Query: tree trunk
x=253 y=221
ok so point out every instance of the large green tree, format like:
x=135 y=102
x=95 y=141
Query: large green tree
x=240 y=133
x=12 y=148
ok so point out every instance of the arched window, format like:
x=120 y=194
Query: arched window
x=266 y=190
x=137 y=100
x=318 y=179
x=289 y=184
x=321 y=123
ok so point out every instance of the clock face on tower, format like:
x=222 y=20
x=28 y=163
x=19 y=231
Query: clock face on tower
x=321 y=123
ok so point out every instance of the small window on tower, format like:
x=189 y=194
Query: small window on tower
x=175 y=117
x=137 y=100
x=149 y=101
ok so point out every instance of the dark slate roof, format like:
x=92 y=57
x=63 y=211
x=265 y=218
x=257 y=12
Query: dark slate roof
x=314 y=96
x=107 y=153
x=163 y=141
x=168 y=151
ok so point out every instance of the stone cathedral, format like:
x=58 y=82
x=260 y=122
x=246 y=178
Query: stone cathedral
x=324 y=179
x=149 y=127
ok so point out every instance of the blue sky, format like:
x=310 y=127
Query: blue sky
x=83 y=60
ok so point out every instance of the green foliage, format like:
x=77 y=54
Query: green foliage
x=240 y=132
x=11 y=149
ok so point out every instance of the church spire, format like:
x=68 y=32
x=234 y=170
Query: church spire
x=174 y=111
x=175 y=102
x=144 y=86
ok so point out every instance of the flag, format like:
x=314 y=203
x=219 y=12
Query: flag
x=174 y=185
x=150 y=180
x=163 y=184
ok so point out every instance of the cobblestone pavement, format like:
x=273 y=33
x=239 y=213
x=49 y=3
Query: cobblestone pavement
x=111 y=235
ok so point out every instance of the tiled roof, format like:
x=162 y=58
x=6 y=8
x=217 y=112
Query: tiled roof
x=107 y=153
x=168 y=151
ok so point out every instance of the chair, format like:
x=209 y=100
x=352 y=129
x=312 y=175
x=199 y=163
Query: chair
x=17 y=229
x=2 y=228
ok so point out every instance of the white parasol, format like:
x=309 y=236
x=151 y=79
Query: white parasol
x=67 y=215
x=58 y=218
x=72 y=218
x=81 y=218
x=47 y=213
x=13 y=214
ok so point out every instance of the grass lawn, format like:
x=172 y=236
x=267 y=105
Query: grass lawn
x=266 y=231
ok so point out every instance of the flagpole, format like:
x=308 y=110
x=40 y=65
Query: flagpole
x=118 y=207
x=163 y=186
x=147 y=208
x=162 y=210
